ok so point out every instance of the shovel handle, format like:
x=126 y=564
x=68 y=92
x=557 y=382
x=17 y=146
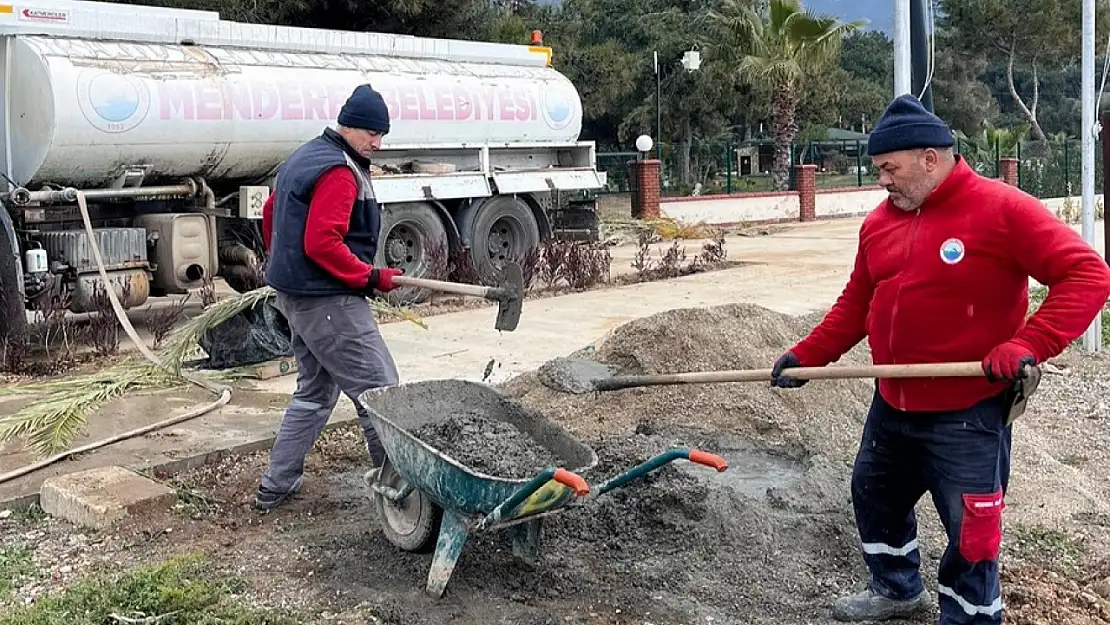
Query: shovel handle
x=473 y=290
x=928 y=370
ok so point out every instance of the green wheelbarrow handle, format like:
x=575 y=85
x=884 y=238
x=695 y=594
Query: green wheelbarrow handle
x=571 y=480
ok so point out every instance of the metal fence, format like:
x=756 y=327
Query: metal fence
x=1046 y=169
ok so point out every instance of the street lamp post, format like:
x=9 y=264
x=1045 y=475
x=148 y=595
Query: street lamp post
x=691 y=61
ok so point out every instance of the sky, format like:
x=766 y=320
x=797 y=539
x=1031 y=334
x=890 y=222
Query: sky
x=880 y=13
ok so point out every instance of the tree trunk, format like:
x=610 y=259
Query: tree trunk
x=785 y=129
x=1030 y=115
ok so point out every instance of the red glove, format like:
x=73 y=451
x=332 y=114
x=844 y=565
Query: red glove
x=381 y=279
x=1007 y=362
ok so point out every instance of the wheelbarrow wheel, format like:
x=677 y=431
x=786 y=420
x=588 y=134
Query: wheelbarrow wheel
x=411 y=524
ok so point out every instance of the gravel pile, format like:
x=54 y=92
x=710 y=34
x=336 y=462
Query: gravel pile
x=824 y=417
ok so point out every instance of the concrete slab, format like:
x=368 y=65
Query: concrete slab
x=98 y=498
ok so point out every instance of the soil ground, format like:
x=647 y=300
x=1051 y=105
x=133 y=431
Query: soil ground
x=770 y=541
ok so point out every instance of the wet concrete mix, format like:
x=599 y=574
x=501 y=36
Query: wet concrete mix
x=488 y=445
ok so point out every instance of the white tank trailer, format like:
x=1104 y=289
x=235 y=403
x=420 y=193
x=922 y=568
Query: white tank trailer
x=173 y=123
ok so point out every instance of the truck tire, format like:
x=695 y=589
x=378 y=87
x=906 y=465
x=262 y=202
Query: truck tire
x=13 y=314
x=503 y=228
x=414 y=238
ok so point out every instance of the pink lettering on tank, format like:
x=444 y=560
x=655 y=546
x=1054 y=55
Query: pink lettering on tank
x=415 y=101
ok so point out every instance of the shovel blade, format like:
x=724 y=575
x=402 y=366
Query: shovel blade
x=511 y=299
x=571 y=375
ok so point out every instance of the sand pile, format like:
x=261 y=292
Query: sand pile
x=825 y=417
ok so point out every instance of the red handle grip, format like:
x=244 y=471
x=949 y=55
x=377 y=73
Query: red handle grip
x=708 y=459
x=572 y=481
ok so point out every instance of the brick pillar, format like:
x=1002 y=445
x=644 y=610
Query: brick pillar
x=1009 y=167
x=643 y=177
x=807 y=192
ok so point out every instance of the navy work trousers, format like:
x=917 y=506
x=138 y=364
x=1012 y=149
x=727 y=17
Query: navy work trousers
x=963 y=459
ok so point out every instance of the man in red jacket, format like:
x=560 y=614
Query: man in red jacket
x=321 y=226
x=941 y=275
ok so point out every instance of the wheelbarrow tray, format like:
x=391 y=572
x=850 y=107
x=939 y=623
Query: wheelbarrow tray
x=421 y=491
x=398 y=410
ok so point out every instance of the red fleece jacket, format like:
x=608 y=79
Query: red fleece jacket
x=949 y=281
x=329 y=218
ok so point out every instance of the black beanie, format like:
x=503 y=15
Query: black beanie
x=365 y=109
x=906 y=125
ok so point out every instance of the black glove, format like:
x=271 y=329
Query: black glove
x=786 y=361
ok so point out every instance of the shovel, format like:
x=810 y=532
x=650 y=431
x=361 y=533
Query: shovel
x=583 y=376
x=509 y=293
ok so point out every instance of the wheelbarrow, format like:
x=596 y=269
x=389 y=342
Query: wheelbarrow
x=424 y=497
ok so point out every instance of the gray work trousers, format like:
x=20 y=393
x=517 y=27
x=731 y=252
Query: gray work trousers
x=338 y=348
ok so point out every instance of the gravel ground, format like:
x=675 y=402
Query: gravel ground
x=770 y=541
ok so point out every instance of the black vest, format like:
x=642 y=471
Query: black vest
x=289 y=270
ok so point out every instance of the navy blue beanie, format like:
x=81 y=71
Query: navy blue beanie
x=365 y=109
x=906 y=125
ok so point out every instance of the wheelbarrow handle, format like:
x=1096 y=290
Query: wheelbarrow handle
x=693 y=455
x=562 y=476
x=712 y=461
x=572 y=481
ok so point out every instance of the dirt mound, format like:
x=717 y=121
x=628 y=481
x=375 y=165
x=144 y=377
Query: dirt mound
x=824 y=417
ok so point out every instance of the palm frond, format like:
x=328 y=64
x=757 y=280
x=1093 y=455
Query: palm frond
x=51 y=423
x=769 y=71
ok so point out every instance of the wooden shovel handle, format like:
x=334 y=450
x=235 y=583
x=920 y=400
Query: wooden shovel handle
x=473 y=290
x=929 y=370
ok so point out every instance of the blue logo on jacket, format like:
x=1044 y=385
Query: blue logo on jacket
x=952 y=251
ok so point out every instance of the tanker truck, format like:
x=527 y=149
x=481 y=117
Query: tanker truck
x=173 y=124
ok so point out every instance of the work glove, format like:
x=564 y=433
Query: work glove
x=1008 y=361
x=381 y=279
x=786 y=361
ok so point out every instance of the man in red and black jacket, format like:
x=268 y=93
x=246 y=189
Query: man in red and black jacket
x=941 y=275
x=321 y=228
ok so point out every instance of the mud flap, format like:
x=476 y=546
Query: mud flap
x=1018 y=397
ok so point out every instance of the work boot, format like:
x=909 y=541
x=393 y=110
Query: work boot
x=266 y=500
x=870 y=606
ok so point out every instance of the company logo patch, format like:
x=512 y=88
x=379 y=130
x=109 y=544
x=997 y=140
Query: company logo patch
x=557 y=109
x=952 y=251
x=112 y=102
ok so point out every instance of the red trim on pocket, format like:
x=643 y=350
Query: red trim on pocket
x=981 y=528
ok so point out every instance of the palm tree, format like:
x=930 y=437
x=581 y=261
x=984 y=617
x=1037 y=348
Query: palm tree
x=774 y=52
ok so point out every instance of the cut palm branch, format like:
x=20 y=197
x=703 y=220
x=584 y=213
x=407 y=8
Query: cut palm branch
x=51 y=423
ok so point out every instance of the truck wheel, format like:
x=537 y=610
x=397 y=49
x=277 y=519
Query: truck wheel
x=504 y=229
x=411 y=524
x=13 y=314
x=413 y=238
